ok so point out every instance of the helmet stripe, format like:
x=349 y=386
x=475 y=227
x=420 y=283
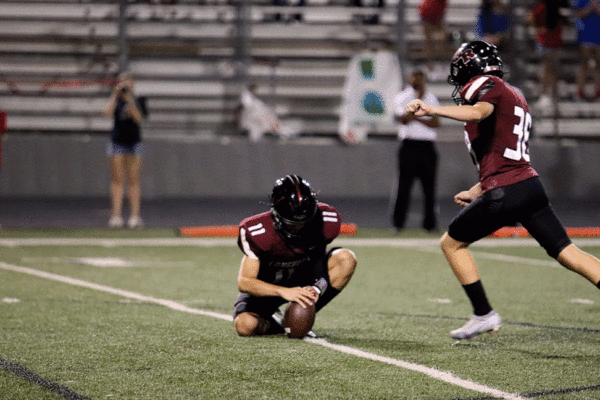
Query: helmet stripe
x=296 y=181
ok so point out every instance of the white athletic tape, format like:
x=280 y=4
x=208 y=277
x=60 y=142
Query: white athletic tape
x=433 y=373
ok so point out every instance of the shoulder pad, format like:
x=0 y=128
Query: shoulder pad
x=477 y=87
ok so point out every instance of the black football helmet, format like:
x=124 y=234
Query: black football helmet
x=473 y=59
x=293 y=206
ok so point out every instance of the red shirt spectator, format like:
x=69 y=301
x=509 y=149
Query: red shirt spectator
x=549 y=33
x=432 y=10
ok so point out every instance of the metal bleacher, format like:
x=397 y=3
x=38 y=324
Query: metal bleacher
x=58 y=59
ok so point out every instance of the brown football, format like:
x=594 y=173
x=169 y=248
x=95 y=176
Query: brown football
x=298 y=321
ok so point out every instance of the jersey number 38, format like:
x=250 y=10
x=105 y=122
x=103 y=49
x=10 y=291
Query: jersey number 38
x=522 y=130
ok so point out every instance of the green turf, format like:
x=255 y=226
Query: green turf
x=401 y=303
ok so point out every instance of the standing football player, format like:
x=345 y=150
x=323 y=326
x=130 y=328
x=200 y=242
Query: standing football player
x=497 y=127
x=286 y=258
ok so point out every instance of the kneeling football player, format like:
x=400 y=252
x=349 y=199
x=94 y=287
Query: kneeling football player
x=286 y=258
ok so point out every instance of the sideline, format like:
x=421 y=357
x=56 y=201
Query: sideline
x=433 y=373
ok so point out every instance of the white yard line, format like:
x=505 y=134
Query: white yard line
x=102 y=288
x=431 y=372
x=434 y=373
x=518 y=260
x=501 y=257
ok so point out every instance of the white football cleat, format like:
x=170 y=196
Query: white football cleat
x=477 y=325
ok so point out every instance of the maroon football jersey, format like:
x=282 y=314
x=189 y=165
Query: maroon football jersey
x=280 y=262
x=499 y=144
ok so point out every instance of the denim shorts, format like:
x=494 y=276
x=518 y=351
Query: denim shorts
x=113 y=148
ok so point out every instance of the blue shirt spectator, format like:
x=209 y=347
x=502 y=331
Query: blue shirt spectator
x=588 y=21
x=587 y=13
x=492 y=22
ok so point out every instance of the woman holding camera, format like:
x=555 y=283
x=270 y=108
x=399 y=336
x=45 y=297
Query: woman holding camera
x=124 y=150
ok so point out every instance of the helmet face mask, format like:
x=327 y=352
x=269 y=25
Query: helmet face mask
x=293 y=206
x=473 y=59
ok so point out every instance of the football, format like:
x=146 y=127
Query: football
x=298 y=321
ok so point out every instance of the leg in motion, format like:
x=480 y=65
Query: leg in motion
x=576 y=260
x=485 y=319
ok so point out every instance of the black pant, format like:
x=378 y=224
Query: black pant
x=416 y=159
x=525 y=202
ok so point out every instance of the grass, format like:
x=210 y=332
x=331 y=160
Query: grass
x=401 y=304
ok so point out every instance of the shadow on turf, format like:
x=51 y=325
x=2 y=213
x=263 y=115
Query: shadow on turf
x=515 y=323
x=542 y=393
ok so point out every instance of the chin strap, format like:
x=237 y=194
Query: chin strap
x=456 y=95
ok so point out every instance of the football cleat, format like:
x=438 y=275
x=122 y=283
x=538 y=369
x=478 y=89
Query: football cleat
x=477 y=325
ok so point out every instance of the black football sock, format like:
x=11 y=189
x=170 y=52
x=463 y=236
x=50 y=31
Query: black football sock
x=274 y=328
x=329 y=294
x=476 y=294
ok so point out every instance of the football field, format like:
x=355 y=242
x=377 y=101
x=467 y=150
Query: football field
x=97 y=314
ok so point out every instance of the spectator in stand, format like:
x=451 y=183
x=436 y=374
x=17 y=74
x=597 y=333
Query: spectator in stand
x=545 y=17
x=588 y=38
x=433 y=14
x=369 y=19
x=125 y=150
x=492 y=23
x=291 y=18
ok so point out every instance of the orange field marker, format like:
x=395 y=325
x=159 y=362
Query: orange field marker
x=513 y=231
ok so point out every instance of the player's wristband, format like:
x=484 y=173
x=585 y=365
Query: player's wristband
x=321 y=285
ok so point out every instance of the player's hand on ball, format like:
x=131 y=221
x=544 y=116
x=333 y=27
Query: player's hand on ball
x=314 y=291
x=302 y=295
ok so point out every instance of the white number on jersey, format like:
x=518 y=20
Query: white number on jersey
x=471 y=151
x=522 y=130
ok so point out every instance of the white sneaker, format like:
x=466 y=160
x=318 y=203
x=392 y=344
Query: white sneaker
x=477 y=325
x=135 y=222
x=115 y=222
